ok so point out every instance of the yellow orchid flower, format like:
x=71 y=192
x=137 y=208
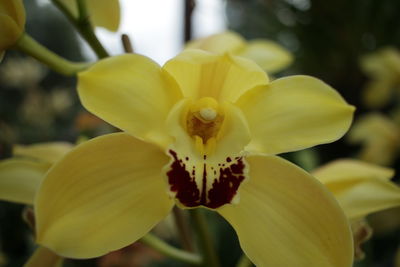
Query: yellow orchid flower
x=12 y=23
x=361 y=189
x=21 y=175
x=201 y=131
x=383 y=68
x=379 y=137
x=103 y=13
x=269 y=55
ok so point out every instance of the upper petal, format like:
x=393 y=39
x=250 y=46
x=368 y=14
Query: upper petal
x=46 y=152
x=359 y=187
x=267 y=54
x=20 y=179
x=223 y=77
x=293 y=113
x=286 y=218
x=103 y=195
x=218 y=43
x=130 y=92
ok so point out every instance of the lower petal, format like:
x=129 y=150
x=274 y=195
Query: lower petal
x=103 y=195
x=20 y=179
x=286 y=218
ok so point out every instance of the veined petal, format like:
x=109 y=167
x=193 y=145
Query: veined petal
x=293 y=113
x=44 y=257
x=287 y=218
x=20 y=179
x=207 y=174
x=47 y=152
x=359 y=187
x=267 y=54
x=223 y=77
x=103 y=13
x=131 y=93
x=218 y=43
x=103 y=195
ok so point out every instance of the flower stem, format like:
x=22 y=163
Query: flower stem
x=29 y=46
x=205 y=241
x=244 y=262
x=83 y=25
x=183 y=229
x=170 y=251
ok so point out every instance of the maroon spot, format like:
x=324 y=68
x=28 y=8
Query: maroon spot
x=182 y=183
x=228 y=159
x=224 y=189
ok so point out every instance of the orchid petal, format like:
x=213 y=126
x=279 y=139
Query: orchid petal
x=359 y=187
x=294 y=113
x=20 y=179
x=223 y=77
x=101 y=197
x=131 y=93
x=267 y=54
x=286 y=218
x=47 y=152
x=218 y=43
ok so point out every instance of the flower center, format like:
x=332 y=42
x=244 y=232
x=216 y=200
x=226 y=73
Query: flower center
x=204 y=120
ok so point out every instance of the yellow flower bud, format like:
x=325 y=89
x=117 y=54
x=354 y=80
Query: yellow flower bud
x=12 y=21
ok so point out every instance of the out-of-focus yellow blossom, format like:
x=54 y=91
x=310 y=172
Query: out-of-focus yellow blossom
x=269 y=55
x=12 y=23
x=379 y=137
x=361 y=189
x=20 y=178
x=21 y=175
x=383 y=69
x=103 y=13
x=201 y=127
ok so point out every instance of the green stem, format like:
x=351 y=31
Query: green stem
x=82 y=24
x=29 y=46
x=205 y=241
x=170 y=251
x=183 y=229
x=244 y=262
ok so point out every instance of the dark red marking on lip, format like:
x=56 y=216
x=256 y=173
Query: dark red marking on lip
x=182 y=183
x=224 y=188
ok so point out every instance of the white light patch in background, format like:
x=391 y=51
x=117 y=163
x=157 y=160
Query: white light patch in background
x=209 y=17
x=156 y=26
